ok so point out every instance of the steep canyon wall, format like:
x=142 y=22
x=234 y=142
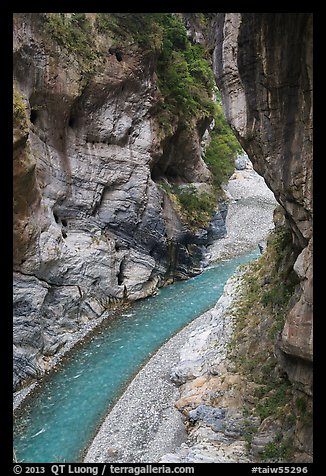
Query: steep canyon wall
x=263 y=67
x=261 y=383
x=91 y=224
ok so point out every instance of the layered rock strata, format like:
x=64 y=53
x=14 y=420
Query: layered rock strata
x=91 y=225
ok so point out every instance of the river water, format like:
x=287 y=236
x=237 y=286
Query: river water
x=59 y=422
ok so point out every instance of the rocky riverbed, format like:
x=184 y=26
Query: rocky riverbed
x=250 y=214
x=146 y=424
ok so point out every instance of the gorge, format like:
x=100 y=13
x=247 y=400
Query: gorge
x=114 y=178
x=50 y=428
x=98 y=210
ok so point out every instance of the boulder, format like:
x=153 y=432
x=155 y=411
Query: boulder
x=241 y=162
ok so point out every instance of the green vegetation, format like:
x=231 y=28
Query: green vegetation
x=198 y=207
x=250 y=429
x=281 y=449
x=20 y=116
x=195 y=207
x=274 y=402
x=185 y=78
x=187 y=86
x=131 y=30
x=222 y=150
x=260 y=312
x=304 y=410
x=74 y=32
x=219 y=156
x=276 y=296
x=301 y=405
x=269 y=285
x=19 y=106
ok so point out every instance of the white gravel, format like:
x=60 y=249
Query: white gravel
x=144 y=424
x=250 y=215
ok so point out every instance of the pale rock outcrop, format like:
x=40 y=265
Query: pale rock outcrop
x=242 y=162
x=210 y=400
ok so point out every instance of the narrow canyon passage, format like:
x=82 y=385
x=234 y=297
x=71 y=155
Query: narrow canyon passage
x=62 y=418
x=127 y=131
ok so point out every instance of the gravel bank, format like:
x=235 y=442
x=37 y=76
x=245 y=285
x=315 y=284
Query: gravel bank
x=144 y=425
x=250 y=215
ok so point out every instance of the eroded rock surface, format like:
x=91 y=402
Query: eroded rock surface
x=263 y=67
x=211 y=397
x=91 y=226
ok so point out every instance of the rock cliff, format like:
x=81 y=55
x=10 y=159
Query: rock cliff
x=263 y=66
x=95 y=154
x=91 y=224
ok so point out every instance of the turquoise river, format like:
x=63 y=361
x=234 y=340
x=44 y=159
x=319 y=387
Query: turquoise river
x=58 y=423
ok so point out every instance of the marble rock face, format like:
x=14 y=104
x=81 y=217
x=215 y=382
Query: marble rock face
x=91 y=225
x=263 y=67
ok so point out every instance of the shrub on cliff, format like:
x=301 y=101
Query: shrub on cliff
x=185 y=78
x=197 y=207
x=20 y=117
x=74 y=33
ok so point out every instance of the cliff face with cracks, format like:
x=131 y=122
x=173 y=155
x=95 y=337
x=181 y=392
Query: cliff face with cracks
x=91 y=225
x=263 y=65
x=246 y=386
